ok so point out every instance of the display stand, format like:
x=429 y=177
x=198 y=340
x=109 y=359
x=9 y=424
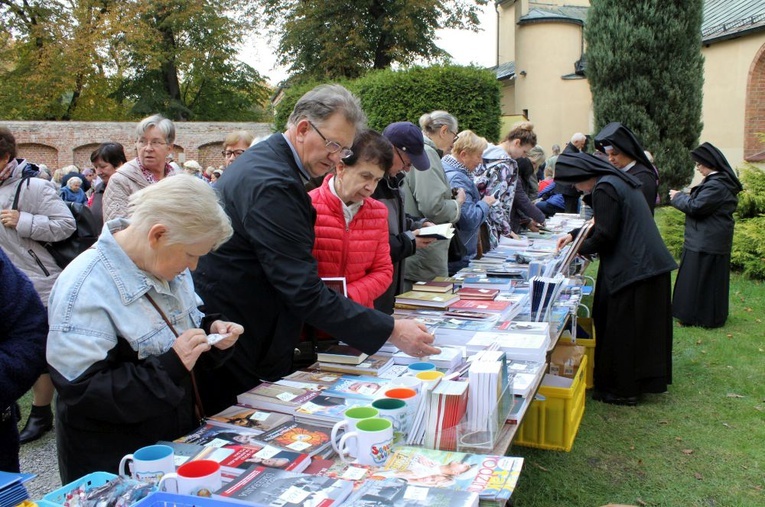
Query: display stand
x=482 y=436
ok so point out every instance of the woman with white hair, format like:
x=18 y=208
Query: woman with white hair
x=126 y=334
x=154 y=136
x=73 y=191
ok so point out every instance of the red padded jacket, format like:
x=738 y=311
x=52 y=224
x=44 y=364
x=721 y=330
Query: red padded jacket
x=359 y=252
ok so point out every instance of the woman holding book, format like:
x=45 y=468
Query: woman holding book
x=632 y=306
x=125 y=331
x=459 y=165
x=352 y=228
x=701 y=288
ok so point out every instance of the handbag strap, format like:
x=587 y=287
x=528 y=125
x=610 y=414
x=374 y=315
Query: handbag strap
x=198 y=408
x=15 y=205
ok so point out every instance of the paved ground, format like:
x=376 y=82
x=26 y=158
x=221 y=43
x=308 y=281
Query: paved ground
x=39 y=457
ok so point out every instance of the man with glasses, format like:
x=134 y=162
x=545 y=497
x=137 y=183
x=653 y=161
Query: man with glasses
x=409 y=151
x=265 y=276
x=234 y=145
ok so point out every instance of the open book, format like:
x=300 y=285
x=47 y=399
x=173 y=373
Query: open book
x=441 y=231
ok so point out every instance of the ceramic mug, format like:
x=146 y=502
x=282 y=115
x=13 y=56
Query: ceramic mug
x=196 y=478
x=396 y=411
x=411 y=382
x=374 y=441
x=410 y=397
x=148 y=464
x=350 y=417
x=416 y=368
x=429 y=378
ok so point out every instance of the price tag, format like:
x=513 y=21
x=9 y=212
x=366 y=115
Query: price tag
x=268 y=451
x=217 y=442
x=259 y=416
x=416 y=493
x=286 y=396
x=354 y=473
x=299 y=446
x=293 y=495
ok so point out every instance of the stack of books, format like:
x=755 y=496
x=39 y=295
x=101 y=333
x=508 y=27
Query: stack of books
x=375 y=365
x=434 y=286
x=486 y=380
x=416 y=299
x=299 y=437
x=517 y=346
x=448 y=403
x=481 y=293
x=484 y=282
x=242 y=416
x=325 y=410
x=449 y=358
x=339 y=353
x=358 y=387
x=274 y=397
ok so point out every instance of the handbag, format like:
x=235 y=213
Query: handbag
x=83 y=237
x=457 y=249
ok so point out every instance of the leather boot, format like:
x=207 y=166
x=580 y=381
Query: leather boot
x=39 y=423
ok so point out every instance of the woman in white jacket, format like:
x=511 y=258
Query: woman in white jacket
x=39 y=217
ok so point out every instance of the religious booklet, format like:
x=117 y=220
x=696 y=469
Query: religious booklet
x=310 y=380
x=269 y=486
x=433 y=286
x=325 y=410
x=359 y=387
x=492 y=477
x=441 y=231
x=374 y=366
x=399 y=493
x=274 y=397
x=211 y=435
x=339 y=353
x=242 y=416
x=245 y=456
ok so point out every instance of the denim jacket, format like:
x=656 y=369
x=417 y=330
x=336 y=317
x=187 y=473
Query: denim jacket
x=100 y=297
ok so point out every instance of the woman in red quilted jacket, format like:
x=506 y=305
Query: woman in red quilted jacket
x=351 y=227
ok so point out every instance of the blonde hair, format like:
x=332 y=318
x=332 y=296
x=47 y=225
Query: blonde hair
x=238 y=136
x=186 y=205
x=523 y=131
x=193 y=166
x=469 y=141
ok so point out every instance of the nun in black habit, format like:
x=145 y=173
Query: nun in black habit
x=632 y=308
x=625 y=153
x=701 y=288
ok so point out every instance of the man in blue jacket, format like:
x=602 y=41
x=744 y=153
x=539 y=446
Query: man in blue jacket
x=265 y=276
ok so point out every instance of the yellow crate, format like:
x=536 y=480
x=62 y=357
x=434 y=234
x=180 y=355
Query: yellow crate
x=552 y=423
x=589 y=343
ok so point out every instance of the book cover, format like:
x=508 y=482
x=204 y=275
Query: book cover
x=336 y=283
x=477 y=293
x=374 y=365
x=337 y=469
x=275 y=397
x=242 y=416
x=339 y=353
x=427 y=299
x=270 y=486
x=360 y=387
x=314 y=375
x=399 y=493
x=298 y=436
x=210 y=435
x=245 y=456
x=182 y=452
x=326 y=410
x=493 y=478
x=503 y=284
x=433 y=286
x=448 y=358
x=495 y=306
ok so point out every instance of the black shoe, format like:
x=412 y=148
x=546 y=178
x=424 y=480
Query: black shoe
x=39 y=423
x=605 y=397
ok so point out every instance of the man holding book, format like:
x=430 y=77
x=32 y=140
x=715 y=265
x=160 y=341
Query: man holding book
x=265 y=277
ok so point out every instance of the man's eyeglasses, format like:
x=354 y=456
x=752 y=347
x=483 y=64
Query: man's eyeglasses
x=407 y=165
x=155 y=143
x=332 y=146
x=230 y=153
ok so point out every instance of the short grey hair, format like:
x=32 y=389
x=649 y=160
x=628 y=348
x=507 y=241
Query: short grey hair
x=186 y=205
x=325 y=100
x=578 y=137
x=71 y=181
x=430 y=123
x=536 y=155
x=164 y=125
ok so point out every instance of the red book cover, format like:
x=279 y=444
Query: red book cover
x=477 y=293
x=481 y=306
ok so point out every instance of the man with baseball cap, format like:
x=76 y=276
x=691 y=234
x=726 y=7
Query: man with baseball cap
x=409 y=150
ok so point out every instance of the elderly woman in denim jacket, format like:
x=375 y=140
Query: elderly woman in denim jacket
x=126 y=333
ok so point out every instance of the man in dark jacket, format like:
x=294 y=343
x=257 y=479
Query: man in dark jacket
x=23 y=328
x=265 y=276
x=409 y=148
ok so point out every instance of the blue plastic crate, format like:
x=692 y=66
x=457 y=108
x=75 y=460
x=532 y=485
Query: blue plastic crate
x=90 y=481
x=164 y=499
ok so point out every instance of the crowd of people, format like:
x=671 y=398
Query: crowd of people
x=242 y=252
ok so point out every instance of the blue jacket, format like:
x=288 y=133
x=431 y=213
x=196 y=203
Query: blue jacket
x=473 y=211
x=78 y=197
x=552 y=197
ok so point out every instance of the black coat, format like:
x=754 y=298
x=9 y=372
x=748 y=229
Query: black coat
x=709 y=215
x=647 y=178
x=265 y=276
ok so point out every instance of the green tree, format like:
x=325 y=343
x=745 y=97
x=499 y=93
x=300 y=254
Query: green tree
x=345 y=38
x=645 y=69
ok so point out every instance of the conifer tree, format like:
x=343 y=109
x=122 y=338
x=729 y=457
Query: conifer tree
x=645 y=69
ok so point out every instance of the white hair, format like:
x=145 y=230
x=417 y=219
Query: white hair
x=325 y=100
x=186 y=205
x=578 y=137
x=72 y=180
x=167 y=127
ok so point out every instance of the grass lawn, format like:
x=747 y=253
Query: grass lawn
x=700 y=444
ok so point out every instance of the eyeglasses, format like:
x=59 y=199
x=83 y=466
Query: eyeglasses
x=332 y=146
x=229 y=153
x=406 y=165
x=155 y=143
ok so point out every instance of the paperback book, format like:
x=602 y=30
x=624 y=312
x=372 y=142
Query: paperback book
x=426 y=299
x=440 y=231
x=339 y=353
x=245 y=456
x=374 y=366
x=399 y=493
x=359 y=387
x=299 y=437
x=448 y=403
x=433 y=286
x=325 y=410
x=212 y=435
x=274 y=397
x=269 y=486
x=493 y=478
x=449 y=357
x=242 y=416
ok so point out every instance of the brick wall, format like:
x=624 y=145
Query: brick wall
x=58 y=144
x=754 y=117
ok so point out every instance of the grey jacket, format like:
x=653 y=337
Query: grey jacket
x=427 y=195
x=43 y=217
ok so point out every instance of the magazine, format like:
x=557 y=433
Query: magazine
x=399 y=493
x=299 y=437
x=242 y=416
